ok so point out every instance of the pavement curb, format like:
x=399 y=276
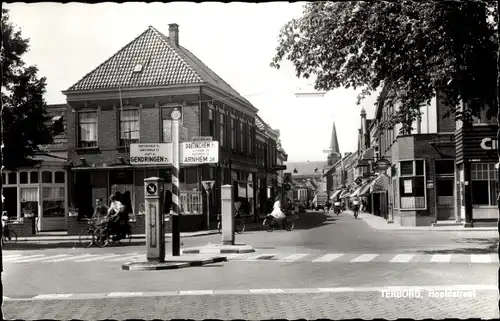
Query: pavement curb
x=382 y=225
x=170 y=264
x=381 y=289
x=215 y=251
x=67 y=239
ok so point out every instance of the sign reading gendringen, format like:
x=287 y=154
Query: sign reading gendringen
x=151 y=154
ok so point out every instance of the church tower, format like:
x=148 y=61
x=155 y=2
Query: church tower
x=334 y=151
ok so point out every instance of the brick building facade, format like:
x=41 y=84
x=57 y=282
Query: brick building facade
x=129 y=98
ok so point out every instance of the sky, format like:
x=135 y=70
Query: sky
x=236 y=40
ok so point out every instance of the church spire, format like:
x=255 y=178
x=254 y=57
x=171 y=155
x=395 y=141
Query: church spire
x=334 y=143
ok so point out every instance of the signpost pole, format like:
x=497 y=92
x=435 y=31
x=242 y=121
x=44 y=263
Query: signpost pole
x=176 y=115
x=208 y=210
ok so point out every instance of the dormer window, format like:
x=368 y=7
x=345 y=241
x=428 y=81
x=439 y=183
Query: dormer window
x=137 y=68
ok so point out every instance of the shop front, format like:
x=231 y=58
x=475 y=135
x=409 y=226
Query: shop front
x=476 y=175
x=37 y=192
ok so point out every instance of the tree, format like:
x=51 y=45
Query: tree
x=409 y=49
x=26 y=127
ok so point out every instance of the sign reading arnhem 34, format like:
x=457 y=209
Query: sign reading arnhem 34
x=150 y=154
x=199 y=152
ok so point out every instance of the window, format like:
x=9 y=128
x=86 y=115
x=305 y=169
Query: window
x=59 y=177
x=191 y=202
x=87 y=129
x=211 y=123
x=249 y=146
x=233 y=135
x=46 y=177
x=34 y=177
x=412 y=190
x=484 y=184
x=129 y=127
x=53 y=202
x=486 y=117
x=167 y=130
x=29 y=201
x=23 y=178
x=445 y=167
x=242 y=136
x=222 y=130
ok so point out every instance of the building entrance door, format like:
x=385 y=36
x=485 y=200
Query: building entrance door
x=444 y=198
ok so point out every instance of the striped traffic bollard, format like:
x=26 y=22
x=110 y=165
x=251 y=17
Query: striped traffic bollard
x=176 y=115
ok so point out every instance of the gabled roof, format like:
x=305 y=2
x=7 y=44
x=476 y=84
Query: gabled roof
x=163 y=64
x=60 y=140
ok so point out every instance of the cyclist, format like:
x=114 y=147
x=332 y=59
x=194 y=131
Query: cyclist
x=115 y=215
x=5 y=228
x=355 y=206
x=100 y=209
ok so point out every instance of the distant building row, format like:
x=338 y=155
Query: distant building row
x=129 y=99
x=442 y=172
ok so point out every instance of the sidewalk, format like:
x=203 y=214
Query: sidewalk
x=379 y=223
x=55 y=238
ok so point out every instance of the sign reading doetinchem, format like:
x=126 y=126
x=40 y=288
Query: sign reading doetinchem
x=199 y=152
x=150 y=154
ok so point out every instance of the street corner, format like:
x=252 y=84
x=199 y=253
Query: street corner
x=219 y=249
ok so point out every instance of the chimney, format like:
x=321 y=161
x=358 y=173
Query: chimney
x=173 y=33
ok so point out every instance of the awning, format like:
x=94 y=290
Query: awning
x=379 y=184
x=369 y=153
x=356 y=192
x=335 y=194
x=365 y=189
x=249 y=190
x=345 y=194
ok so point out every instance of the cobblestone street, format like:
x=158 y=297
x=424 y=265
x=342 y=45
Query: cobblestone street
x=365 y=305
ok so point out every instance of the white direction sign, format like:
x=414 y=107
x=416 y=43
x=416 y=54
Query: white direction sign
x=199 y=152
x=208 y=185
x=151 y=154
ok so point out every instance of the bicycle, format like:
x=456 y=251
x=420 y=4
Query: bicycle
x=239 y=224
x=103 y=237
x=85 y=233
x=9 y=237
x=288 y=222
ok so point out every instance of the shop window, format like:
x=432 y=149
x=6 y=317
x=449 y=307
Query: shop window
x=129 y=127
x=484 y=186
x=29 y=201
x=412 y=185
x=445 y=167
x=59 y=177
x=53 y=201
x=242 y=137
x=191 y=202
x=34 y=177
x=12 y=178
x=46 y=177
x=23 y=178
x=87 y=124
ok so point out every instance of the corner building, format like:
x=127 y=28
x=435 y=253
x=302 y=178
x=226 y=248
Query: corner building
x=129 y=99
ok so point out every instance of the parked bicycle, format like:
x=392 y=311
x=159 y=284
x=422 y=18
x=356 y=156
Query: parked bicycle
x=239 y=224
x=8 y=235
x=104 y=236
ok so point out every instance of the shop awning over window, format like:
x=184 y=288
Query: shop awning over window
x=335 y=194
x=356 y=192
x=379 y=184
x=365 y=189
x=345 y=194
